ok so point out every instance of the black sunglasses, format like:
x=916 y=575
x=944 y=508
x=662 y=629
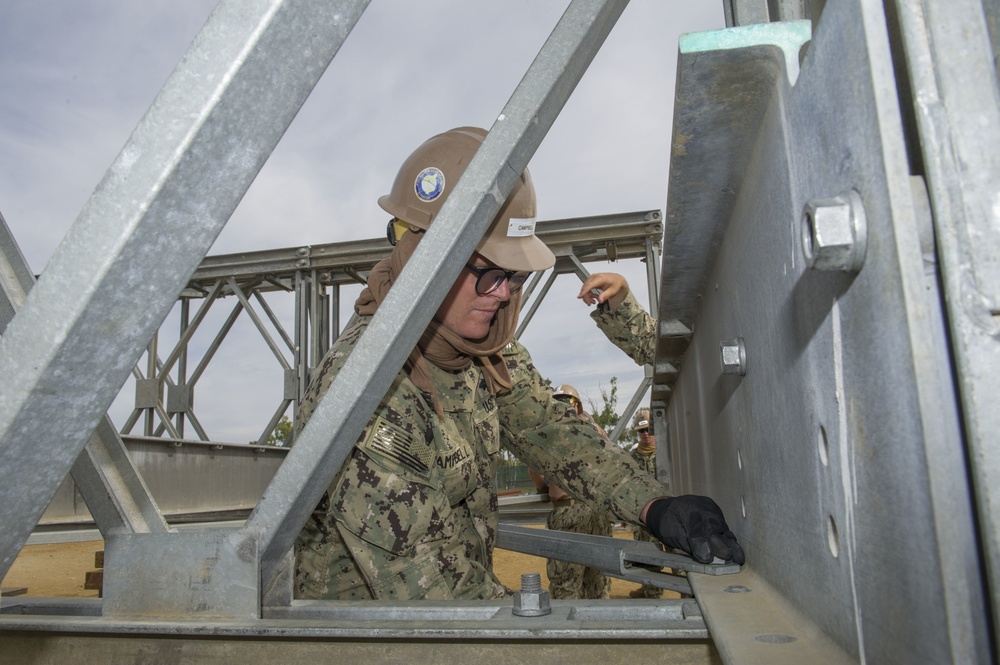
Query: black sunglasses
x=489 y=279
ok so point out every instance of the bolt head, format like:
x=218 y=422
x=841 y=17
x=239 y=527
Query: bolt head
x=734 y=356
x=833 y=233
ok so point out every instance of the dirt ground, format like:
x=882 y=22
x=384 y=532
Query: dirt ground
x=60 y=570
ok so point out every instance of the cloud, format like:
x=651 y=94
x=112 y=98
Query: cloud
x=78 y=76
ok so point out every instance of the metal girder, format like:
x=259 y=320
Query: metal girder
x=837 y=454
x=630 y=233
x=145 y=229
x=415 y=631
x=731 y=96
x=755 y=624
x=953 y=77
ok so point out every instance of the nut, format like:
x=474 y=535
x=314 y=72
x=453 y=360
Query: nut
x=835 y=233
x=531 y=600
x=734 y=356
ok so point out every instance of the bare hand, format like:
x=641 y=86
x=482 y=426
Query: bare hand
x=608 y=284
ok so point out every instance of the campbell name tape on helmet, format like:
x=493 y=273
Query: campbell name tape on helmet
x=520 y=228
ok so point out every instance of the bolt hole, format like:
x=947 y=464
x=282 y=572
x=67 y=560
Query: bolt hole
x=832 y=537
x=775 y=638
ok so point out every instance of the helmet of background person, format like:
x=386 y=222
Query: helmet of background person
x=641 y=419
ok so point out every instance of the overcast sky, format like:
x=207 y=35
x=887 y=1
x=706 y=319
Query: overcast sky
x=77 y=75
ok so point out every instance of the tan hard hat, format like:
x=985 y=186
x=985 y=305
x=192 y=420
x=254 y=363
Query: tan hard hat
x=566 y=389
x=424 y=182
x=641 y=419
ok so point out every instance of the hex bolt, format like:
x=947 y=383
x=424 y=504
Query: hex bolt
x=734 y=356
x=835 y=233
x=531 y=600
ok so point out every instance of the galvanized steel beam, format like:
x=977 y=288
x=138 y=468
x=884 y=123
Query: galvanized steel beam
x=579 y=631
x=589 y=238
x=115 y=493
x=956 y=103
x=837 y=453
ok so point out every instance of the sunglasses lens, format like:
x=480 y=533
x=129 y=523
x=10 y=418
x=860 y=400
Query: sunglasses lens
x=489 y=281
x=517 y=280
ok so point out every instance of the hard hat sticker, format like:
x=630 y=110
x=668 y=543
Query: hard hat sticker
x=520 y=228
x=429 y=184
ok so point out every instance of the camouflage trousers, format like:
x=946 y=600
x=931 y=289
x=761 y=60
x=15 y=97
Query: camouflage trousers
x=571 y=580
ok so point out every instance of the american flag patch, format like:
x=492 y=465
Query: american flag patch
x=395 y=443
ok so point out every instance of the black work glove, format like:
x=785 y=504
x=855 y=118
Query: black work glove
x=696 y=525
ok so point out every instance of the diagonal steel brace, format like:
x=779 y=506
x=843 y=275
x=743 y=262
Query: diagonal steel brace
x=113 y=490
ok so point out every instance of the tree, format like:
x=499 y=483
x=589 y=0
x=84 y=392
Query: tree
x=281 y=431
x=607 y=416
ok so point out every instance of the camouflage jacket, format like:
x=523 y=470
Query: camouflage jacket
x=647 y=462
x=413 y=512
x=628 y=327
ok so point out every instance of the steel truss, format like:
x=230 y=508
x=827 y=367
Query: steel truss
x=314 y=277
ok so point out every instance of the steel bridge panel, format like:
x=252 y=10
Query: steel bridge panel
x=838 y=455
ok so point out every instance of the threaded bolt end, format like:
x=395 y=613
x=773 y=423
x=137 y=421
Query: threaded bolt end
x=531 y=582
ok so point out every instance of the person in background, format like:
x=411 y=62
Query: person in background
x=645 y=454
x=412 y=513
x=572 y=580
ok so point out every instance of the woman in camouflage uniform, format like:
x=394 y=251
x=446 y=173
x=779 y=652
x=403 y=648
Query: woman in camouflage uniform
x=413 y=511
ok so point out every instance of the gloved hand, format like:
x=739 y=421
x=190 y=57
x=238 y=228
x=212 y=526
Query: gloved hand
x=694 y=524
